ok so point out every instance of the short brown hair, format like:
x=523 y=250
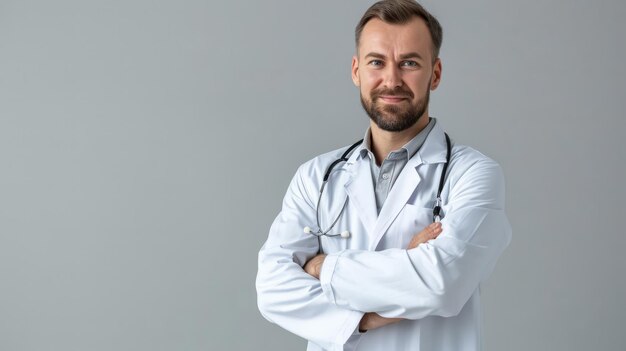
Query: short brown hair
x=400 y=12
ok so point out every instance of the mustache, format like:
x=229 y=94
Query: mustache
x=399 y=92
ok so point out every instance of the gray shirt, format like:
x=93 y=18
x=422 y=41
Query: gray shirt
x=385 y=176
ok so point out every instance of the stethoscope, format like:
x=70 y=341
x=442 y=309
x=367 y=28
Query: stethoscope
x=346 y=234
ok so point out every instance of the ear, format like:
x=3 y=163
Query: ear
x=435 y=78
x=355 y=71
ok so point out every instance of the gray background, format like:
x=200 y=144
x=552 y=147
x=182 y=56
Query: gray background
x=145 y=147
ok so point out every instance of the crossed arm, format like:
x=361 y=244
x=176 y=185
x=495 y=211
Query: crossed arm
x=434 y=278
x=373 y=320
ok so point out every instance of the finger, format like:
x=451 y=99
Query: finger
x=418 y=239
x=429 y=228
x=415 y=242
x=435 y=233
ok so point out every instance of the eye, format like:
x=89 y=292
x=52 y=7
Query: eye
x=409 y=64
x=376 y=63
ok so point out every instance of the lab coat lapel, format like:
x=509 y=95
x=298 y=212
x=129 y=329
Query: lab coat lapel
x=433 y=151
x=400 y=193
x=360 y=191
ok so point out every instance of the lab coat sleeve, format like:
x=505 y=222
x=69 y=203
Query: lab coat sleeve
x=286 y=294
x=437 y=277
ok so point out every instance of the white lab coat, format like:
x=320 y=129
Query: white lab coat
x=435 y=287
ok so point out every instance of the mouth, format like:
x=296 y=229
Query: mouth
x=392 y=99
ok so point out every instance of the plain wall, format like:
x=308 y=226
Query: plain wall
x=145 y=147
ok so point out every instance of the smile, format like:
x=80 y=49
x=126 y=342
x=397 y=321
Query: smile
x=390 y=99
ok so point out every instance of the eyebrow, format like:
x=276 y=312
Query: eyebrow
x=411 y=55
x=375 y=55
x=402 y=57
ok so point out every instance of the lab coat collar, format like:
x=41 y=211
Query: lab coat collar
x=432 y=151
x=356 y=155
x=434 y=148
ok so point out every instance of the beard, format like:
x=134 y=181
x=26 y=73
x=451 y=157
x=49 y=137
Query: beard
x=395 y=117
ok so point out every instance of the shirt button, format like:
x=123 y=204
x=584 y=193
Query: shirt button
x=385 y=176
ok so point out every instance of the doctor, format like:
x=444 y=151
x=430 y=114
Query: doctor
x=345 y=269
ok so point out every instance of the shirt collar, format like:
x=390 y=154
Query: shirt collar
x=408 y=150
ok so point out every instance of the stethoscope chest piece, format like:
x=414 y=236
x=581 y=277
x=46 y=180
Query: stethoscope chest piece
x=345 y=234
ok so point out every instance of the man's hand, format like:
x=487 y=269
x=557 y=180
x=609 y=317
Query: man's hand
x=372 y=320
x=314 y=265
x=430 y=232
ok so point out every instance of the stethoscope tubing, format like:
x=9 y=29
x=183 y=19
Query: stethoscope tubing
x=320 y=232
x=317 y=214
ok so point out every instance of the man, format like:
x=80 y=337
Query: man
x=357 y=277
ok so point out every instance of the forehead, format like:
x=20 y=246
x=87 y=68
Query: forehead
x=396 y=39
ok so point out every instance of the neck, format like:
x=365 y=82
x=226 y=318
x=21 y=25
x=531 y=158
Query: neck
x=384 y=142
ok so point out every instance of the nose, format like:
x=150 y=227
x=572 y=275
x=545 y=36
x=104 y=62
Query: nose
x=393 y=78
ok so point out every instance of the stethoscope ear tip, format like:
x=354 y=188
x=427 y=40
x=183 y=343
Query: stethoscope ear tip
x=345 y=234
x=307 y=230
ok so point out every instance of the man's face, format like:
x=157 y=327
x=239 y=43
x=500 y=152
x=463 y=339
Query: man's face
x=395 y=73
